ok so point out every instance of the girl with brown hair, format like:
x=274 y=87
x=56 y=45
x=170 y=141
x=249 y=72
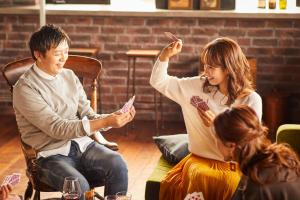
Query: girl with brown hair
x=226 y=81
x=272 y=171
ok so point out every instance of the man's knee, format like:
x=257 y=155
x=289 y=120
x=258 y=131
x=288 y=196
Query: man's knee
x=84 y=184
x=117 y=163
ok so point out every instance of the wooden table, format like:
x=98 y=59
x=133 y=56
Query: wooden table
x=133 y=55
x=84 y=51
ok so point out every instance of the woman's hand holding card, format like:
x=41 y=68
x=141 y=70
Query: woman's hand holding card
x=171 y=49
x=204 y=112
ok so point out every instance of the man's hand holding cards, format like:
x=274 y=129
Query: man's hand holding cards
x=128 y=105
x=12 y=179
x=199 y=103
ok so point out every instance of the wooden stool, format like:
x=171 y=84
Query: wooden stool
x=84 y=51
x=133 y=55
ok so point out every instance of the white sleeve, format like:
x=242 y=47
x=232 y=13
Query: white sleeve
x=255 y=102
x=86 y=125
x=170 y=86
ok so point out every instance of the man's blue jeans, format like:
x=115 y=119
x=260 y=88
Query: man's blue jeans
x=97 y=166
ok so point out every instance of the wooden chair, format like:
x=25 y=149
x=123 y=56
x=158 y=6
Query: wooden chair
x=86 y=68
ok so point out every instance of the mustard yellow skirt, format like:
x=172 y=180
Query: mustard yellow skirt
x=205 y=178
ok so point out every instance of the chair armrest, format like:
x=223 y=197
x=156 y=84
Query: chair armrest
x=30 y=157
x=29 y=152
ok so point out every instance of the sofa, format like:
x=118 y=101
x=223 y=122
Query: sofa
x=289 y=133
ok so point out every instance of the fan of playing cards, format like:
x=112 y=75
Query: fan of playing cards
x=12 y=179
x=128 y=105
x=199 y=103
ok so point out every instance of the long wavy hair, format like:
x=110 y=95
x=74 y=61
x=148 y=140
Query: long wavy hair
x=227 y=54
x=254 y=151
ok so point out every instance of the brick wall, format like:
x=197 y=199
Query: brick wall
x=275 y=44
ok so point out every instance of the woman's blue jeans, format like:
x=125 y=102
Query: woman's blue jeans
x=97 y=166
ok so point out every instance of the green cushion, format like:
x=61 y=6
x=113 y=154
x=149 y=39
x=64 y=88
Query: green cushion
x=289 y=133
x=153 y=182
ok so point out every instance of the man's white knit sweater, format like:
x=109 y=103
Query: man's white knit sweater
x=49 y=112
x=202 y=140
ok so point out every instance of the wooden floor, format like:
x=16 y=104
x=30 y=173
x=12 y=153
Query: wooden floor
x=137 y=149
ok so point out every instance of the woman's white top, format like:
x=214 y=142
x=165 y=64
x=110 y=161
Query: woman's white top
x=202 y=140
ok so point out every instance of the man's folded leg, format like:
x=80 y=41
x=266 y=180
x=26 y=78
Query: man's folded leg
x=53 y=169
x=100 y=163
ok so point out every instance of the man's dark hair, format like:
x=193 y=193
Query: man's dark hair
x=48 y=36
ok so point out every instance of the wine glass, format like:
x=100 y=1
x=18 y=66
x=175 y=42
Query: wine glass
x=110 y=197
x=123 y=195
x=71 y=188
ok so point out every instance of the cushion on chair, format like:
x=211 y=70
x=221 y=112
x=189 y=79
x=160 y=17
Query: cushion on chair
x=153 y=182
x=173 y=147
x=289 y=133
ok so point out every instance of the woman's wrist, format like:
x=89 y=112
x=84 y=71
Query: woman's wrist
x=163 y=58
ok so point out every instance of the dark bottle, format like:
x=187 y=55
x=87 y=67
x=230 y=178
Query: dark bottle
x=272 y=4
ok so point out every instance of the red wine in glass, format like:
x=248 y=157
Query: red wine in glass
x=71 y=188
x=71 y=196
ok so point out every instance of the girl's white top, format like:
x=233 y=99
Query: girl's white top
x=202 y=139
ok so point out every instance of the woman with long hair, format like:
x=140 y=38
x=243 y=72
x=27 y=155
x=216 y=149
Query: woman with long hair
x=226 y=81
x=271 y=171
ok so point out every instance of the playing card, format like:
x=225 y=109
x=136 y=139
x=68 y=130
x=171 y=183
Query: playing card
x=194 y=196
x=15 y=179
x=203 y=106
x=171 y=36
x=128 y=105
x=12 y=179
x=199 y=103
x=195 y=100
x=6 y=180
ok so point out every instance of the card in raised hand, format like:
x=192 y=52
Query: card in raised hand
x=199 y=103
x=171 y=36
x=128 y=105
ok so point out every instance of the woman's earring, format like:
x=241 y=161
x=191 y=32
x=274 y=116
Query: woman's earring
x=232 y=165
